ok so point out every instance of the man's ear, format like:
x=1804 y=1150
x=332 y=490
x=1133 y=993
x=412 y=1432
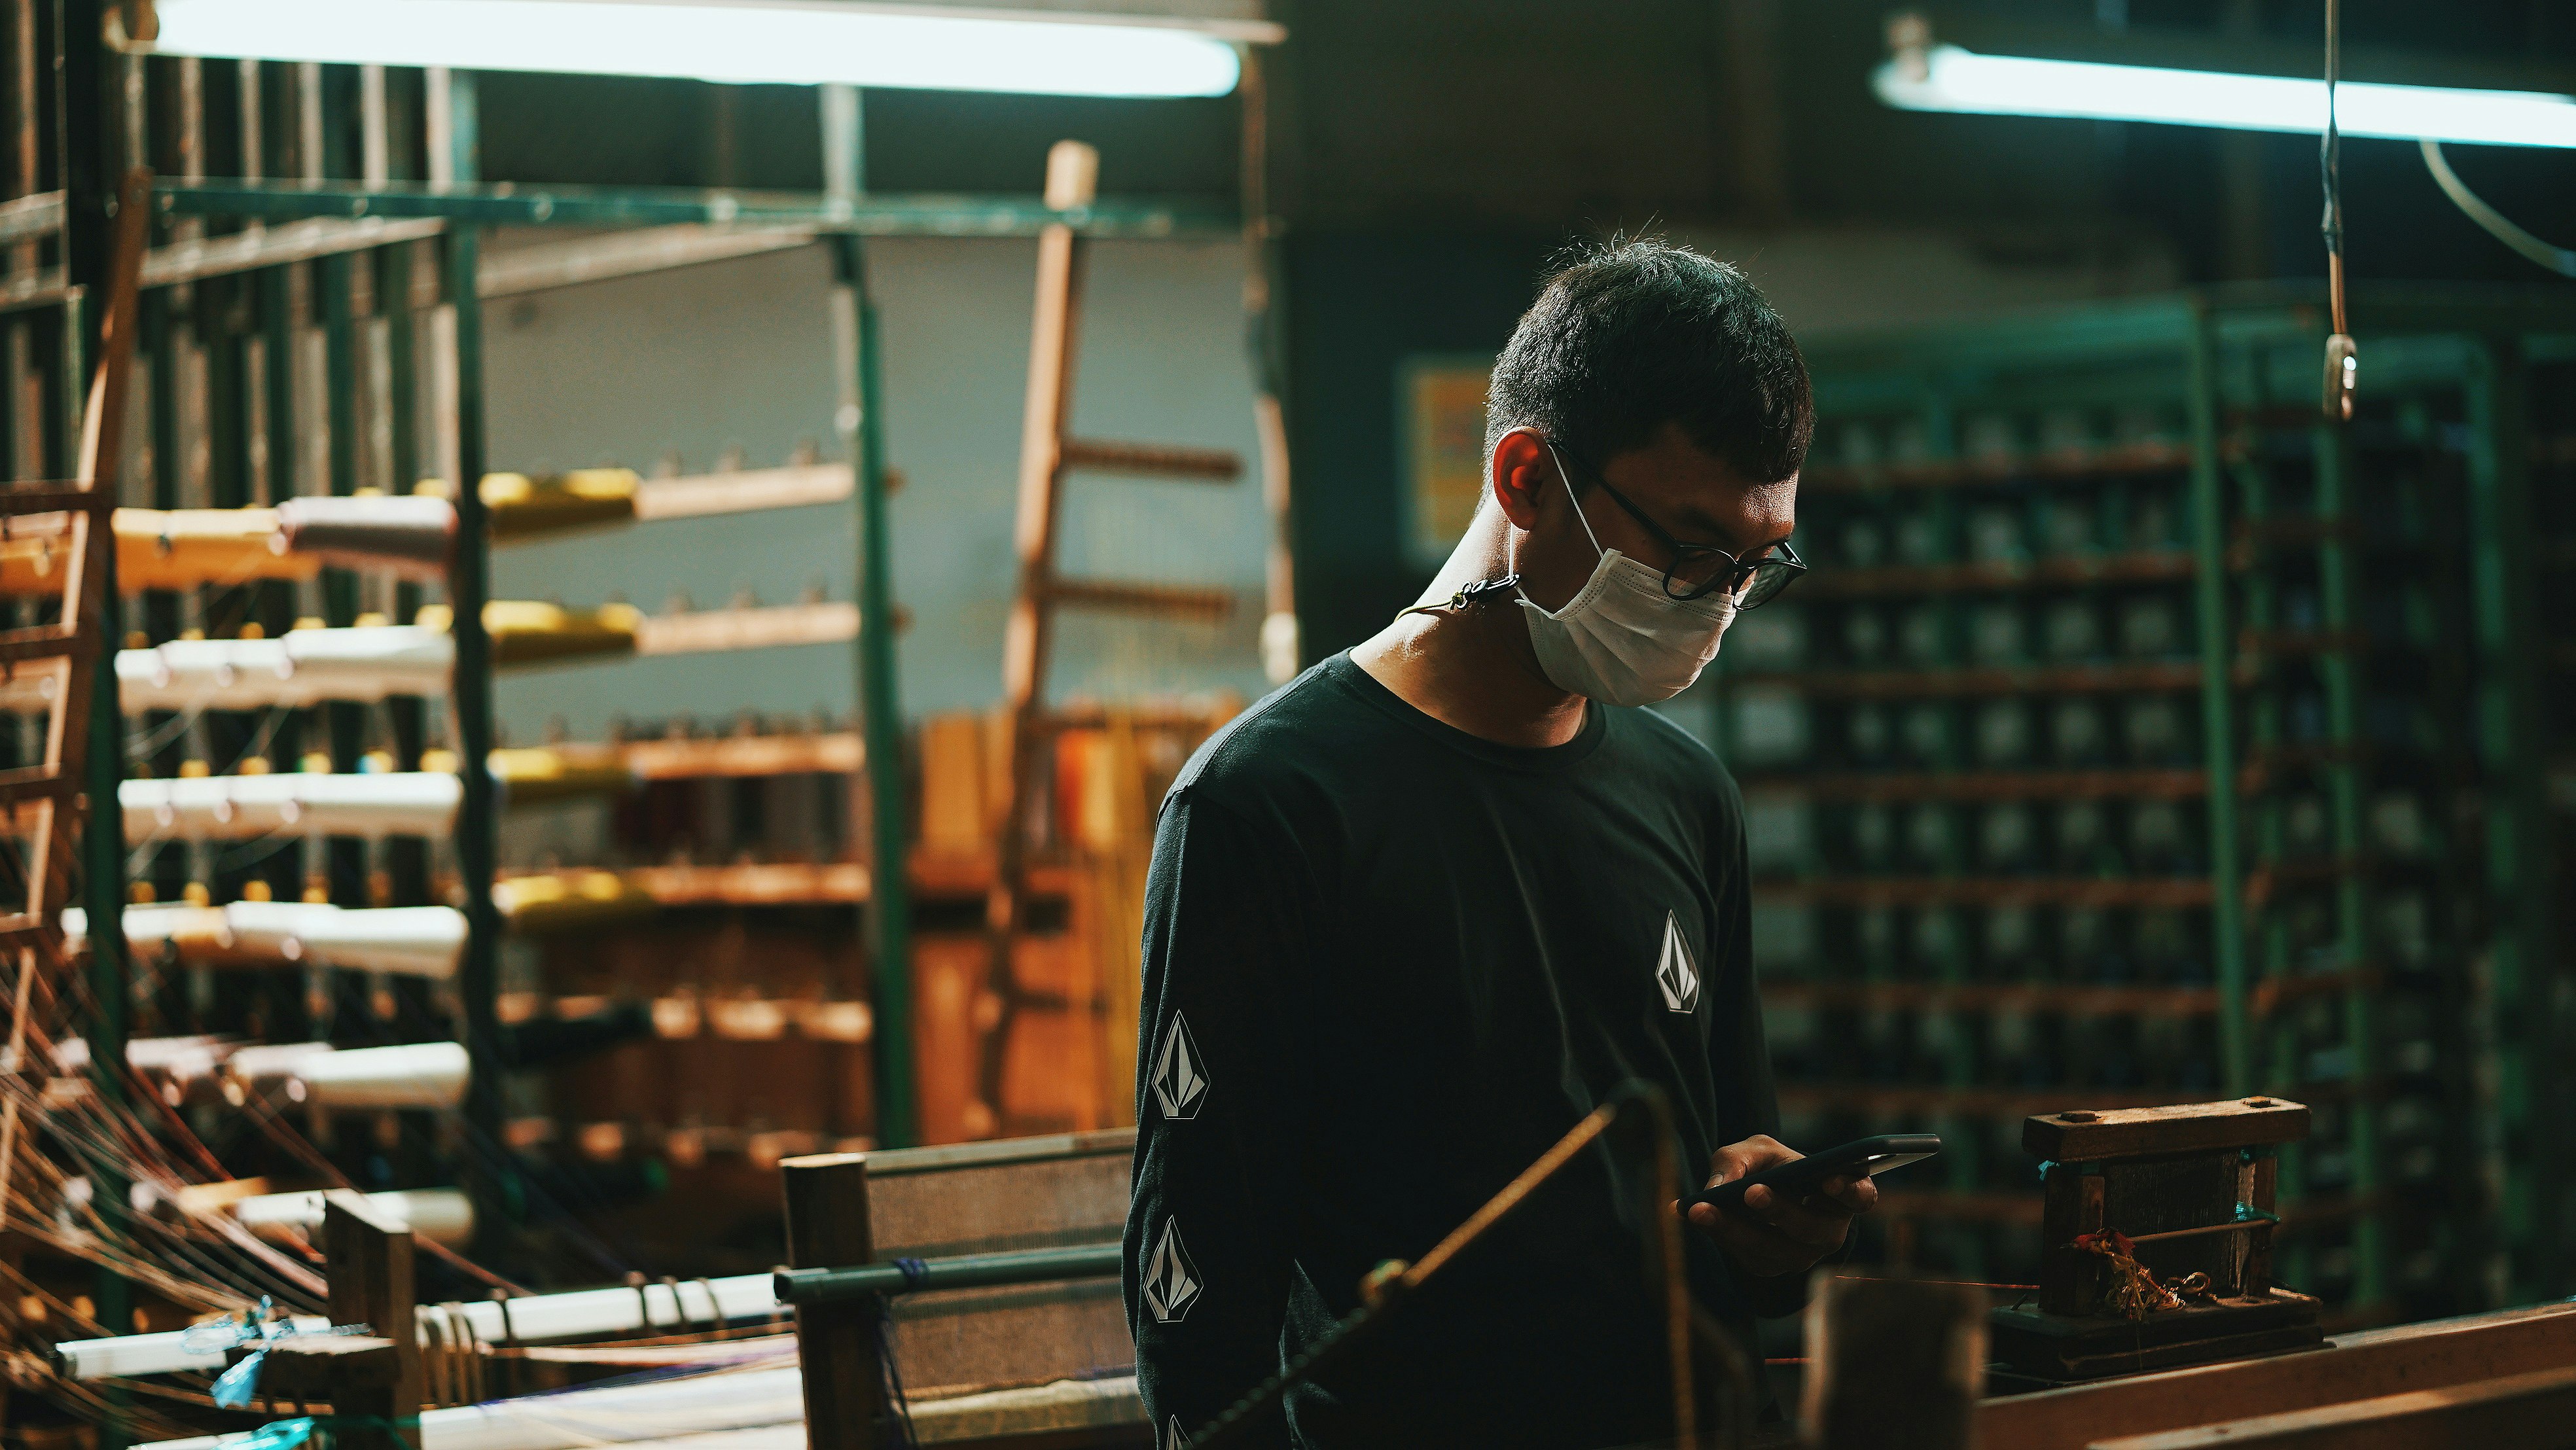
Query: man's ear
x=1523 y=474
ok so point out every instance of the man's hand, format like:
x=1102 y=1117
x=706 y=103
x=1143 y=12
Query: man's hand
x=1772 y=1236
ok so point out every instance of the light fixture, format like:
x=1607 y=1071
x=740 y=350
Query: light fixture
x=792 y=42
x=1925 y=77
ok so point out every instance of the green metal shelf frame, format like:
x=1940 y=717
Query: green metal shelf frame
x=2225 y=355
x=843 y=216
x=512 y=204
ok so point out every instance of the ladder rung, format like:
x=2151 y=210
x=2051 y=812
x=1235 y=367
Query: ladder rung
x=41 y=642
x=53 y=498
x=1151 y=458
x=714 y=630
x=20 y=928
x=1143 y=598
x=35 y=782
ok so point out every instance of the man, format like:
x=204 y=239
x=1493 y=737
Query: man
x=1414 y=915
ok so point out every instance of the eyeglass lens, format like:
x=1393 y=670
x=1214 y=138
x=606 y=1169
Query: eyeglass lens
x=1698 y=575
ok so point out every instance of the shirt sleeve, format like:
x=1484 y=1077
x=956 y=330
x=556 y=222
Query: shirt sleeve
x=1747 y=1101
x=1209 y=1245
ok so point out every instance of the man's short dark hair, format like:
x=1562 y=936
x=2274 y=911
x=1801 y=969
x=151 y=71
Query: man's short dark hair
x=1634 y=334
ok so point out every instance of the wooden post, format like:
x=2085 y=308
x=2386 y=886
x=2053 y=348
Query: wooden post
x=827 y=1227
x=1890 y=1361
x=360 y=1375
x=369 y=1259
x=2263 y=1188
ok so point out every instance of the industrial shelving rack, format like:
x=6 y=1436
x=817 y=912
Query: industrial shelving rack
x=2140 y=736
x=247 y=270
x=2553 y=539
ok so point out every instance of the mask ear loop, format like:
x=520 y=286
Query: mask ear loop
x=1568 y=480
x=1511 y=580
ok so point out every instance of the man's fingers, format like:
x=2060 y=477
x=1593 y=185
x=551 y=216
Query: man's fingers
x=1752 y=1155
x=1859 y=1195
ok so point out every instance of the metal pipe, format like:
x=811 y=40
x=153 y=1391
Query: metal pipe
x=2507 y=612
x=2341 y=670
x=882 y=214
x=2217 y=705
x=965 y=1271
x=571 y=1314
x=468 y=586
x=862 y=427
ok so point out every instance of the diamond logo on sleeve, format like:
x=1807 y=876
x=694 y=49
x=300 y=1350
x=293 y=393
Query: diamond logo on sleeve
x=1171 y=1280
x=1180 y=1077
x=1675 y=975
x=1178 y=1441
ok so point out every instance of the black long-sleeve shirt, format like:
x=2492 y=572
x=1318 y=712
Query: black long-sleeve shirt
x=1387 y=964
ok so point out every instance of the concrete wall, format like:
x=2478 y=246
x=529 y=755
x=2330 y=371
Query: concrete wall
x=740 y=355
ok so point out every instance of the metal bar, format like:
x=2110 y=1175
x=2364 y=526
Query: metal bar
x=304 y=241
x=631 y=254
x=801 y=1287
x=864 y=215
x=2217 y=706
x=880 y=713
x=44 y=288
x=2340 y=670
x=276 y=600
x=885 y=745
x=2279 y=1061
x=2262 y=1224
x=30 y=217
x=2506 y=615
x=344 y=858
x=468 y=589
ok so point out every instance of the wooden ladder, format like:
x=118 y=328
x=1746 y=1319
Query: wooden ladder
x=45 y=804
x=1048 y=459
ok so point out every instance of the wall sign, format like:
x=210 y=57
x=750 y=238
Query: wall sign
x=1440 y=405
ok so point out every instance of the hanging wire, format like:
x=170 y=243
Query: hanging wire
x=2343 y=362
x=2557 y=259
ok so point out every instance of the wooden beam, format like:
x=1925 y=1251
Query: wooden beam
x=1157 y=460
x=838 y=1344
x=2408 y=1357
x=2080 y=1136
x=2525 y=1409
x=369 y=1259
x=1890 y=1351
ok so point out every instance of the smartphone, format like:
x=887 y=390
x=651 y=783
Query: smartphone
x=1865 y=1158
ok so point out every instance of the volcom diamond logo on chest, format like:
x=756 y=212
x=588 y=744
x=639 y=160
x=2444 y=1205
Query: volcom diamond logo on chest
x=1171 y=1280
x=1675 y=976
x=1178 y=1441
x=1180 y=1077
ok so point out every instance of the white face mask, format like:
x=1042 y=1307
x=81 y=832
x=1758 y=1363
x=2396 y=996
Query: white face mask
x=1621 y=639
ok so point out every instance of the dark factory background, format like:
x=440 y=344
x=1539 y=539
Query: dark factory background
x=2137 y=739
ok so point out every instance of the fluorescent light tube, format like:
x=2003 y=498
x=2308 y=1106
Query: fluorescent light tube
x=1951 y=79
x=791 y=42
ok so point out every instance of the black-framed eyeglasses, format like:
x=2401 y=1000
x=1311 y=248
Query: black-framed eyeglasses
x=1699 y=570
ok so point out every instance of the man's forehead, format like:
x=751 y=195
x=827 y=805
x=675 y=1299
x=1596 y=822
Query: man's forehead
x=1742 y=515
